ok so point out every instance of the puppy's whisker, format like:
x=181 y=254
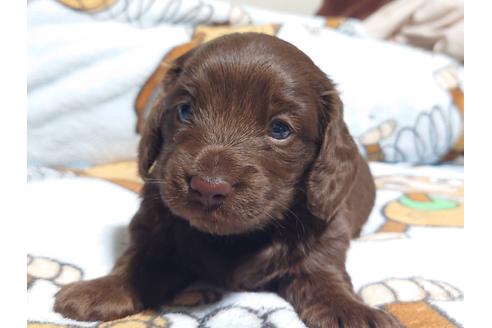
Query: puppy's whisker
x=275 y=221
x=155 y=196
x=155 y=182
x=301 y=190
x=297 y=219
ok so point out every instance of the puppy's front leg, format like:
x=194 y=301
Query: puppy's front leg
x=104 y=299
x=325 y=299
x=148 y=274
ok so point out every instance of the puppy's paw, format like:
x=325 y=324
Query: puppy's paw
x=365 y=316
x=356 y=315
x=100 y=299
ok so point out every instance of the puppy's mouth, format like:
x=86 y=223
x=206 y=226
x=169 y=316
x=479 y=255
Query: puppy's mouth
x=211 y=219
x=222 y=216
x=206 y=209
x=218 y=203
x=198 y=208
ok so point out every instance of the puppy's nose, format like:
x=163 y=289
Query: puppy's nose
x=210 y=191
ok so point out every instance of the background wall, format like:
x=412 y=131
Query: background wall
x=294 y=6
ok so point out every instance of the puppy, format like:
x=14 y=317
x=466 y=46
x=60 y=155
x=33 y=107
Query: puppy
x=252 y=182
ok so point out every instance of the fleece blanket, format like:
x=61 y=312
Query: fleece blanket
x=94 y=66
x=408 y=259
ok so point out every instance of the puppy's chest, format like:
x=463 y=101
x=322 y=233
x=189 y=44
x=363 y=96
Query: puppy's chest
x=217 y=260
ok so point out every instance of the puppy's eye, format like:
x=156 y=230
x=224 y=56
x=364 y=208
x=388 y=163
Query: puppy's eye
x=184 y=113
x=279 y=130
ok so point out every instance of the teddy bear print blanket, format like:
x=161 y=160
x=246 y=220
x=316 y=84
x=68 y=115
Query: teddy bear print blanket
x=407 y=259
x=94 y=68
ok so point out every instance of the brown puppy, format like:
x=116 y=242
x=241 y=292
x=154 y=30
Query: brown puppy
x=252 y=182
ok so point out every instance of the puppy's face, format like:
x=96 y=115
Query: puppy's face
x=237 y=131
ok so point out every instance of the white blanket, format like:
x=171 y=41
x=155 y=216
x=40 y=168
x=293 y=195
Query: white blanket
x=408 y=260
x=89 y=59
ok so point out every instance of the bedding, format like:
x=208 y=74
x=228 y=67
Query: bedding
x=434 y=24
x=407 y=260
x=93 y=66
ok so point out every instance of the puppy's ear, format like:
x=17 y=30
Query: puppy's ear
x=152 y=139
x=334 y=171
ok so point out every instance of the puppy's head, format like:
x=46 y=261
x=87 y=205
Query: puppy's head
x=246 y=125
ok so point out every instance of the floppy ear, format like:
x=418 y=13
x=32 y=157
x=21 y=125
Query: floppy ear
x=334 y=171
x=152 y=139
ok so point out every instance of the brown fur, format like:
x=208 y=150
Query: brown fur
x=294 y=206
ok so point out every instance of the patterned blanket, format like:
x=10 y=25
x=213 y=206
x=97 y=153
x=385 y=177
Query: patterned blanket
x=93 y=70
x=93 y=63
x=406 y=261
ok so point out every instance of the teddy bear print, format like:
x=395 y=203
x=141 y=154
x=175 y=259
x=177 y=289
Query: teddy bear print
x=404 y=298
x=45 y=268
x=424 y=202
